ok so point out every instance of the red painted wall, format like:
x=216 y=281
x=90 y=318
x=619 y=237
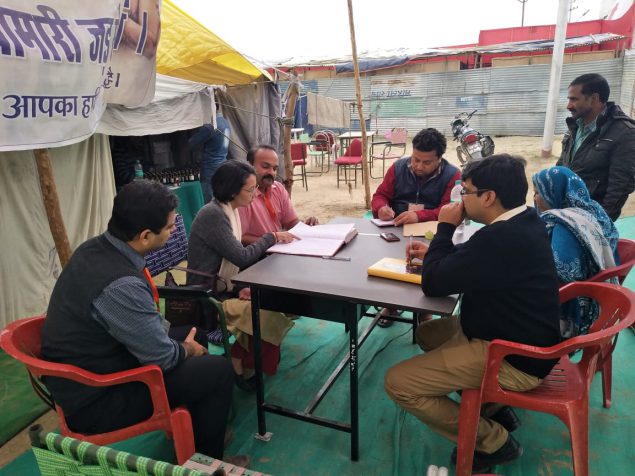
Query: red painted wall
x=621 y=26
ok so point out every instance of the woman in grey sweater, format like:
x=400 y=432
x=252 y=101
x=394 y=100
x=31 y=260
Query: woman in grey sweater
x=215 y=247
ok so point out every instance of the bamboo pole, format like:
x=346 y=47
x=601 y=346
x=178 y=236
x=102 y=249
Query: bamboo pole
x=360 y=110
x=52 y=204
x=292 y=97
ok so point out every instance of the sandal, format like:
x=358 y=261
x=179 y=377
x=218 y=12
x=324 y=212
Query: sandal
x=246 y=385
x=387 y=311
x=385 y=322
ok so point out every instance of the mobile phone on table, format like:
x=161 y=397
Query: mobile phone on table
x=389 y=236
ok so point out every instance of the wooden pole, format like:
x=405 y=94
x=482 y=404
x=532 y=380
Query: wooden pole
x=52 y=204
x=360 y=110
x=292 y=97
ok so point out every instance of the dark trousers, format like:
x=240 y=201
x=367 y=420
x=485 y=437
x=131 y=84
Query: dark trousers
x=203 y=384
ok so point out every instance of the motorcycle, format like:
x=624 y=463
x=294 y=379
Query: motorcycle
x=472 y=144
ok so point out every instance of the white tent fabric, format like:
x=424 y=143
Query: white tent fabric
x=328 y=112
x=29 y=264
x=177 y=105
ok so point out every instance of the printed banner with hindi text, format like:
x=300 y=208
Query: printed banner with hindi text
x=62 y=61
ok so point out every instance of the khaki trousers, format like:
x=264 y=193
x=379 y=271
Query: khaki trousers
x=451 y=362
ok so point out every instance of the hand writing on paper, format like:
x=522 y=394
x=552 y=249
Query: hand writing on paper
x=385 y=213
x=193 y=348
x=311 y=221
x=406 y=217
x=416 y=249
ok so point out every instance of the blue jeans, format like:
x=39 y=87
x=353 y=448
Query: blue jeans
x=215 y=147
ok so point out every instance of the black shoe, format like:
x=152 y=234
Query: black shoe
x=247 y=385
x=484 y=462
x=507 y=417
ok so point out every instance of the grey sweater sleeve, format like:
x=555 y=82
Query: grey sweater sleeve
x=212 y=239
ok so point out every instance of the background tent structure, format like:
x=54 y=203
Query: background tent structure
x=29 y=264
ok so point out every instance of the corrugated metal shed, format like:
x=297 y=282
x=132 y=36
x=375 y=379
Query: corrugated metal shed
x=379 y=59
x=627 y=96
x=510 y=100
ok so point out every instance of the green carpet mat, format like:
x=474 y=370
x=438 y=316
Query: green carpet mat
x=20 y=406
x=391 y=441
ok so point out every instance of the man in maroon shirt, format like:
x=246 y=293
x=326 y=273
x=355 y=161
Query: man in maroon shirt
x=416 y=187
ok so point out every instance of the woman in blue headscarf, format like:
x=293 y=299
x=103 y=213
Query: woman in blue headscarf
x=583 y=238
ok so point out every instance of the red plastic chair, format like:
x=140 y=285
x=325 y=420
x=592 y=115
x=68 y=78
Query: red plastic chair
x=565 y=391
x=298 y=156
x=22 y=341
x=626 y=251
x=350 y=160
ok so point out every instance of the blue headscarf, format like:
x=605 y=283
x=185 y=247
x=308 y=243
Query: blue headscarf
x=583 y=238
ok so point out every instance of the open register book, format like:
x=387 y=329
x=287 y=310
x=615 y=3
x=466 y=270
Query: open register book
x=394 y=268
x=318 y=240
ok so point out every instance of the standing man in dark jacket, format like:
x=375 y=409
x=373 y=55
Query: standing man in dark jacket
x=600 y=144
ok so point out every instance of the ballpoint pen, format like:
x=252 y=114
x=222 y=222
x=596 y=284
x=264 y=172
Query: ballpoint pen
x=409 y=253
x=337 y=258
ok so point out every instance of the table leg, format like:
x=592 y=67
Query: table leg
x=415 y=322
x=353 y=347
x=260 y=391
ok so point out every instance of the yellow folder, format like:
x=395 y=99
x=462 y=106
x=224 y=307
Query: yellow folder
x=393 y=268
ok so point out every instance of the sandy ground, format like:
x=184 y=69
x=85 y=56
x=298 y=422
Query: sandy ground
x=326 y=201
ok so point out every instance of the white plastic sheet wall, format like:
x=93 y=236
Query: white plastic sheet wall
x=29 y=264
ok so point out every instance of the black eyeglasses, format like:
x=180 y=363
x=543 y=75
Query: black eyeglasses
x=478 y=190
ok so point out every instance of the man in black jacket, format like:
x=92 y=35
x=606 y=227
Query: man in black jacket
x=600 y=144
x=507 y=277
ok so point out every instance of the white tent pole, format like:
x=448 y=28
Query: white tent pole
x=557 y=58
